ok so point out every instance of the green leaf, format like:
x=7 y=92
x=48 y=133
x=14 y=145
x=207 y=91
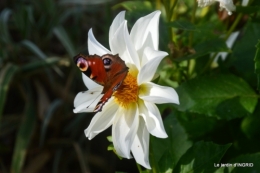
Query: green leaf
x=37 y=51
x=183 y=25
x=134 y=5
x=34 y=48
x=62 y=35
x=247 y=9
x=201 y=157
x=257 y=63
x=4 y=32
x=222 y=96
x=197 y=125
x=6 y=75
x=23 y=138
x=246 y=163
x=167 y=152
x=250 y=124
x=206 y=47
x=83 y=2
x=54 y=105
x=109 y=138
x=36 y=65
x=112 y=148
x=243 y=52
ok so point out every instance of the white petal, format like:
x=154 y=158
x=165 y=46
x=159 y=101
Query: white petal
x=230 y=41
x=245 y=2
x=158 y=94
x=121 y=44
x=140 y=147
x=86 y=101
x=94 y=47
x=119 y=19
x=148 y=70
x=153 y=119
x=90 y=84
x=226 y=4
x=145 y=32
x=102 y=120
x=124 y=130
x=204 y=3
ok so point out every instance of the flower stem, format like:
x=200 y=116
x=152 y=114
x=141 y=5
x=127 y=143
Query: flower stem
x=189 y=66
x=139 y=167
x=192 y=21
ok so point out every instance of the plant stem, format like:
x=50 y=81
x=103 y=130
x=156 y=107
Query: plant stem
x=189 y=67
x=139 y=167
x=192 y=21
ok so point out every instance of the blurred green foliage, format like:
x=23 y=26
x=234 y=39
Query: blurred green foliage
x=217 y=121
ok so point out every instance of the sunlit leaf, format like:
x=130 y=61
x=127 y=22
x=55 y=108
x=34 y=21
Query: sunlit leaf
x=223 y=96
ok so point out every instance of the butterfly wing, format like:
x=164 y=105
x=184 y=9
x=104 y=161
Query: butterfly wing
x=107 y=70
x=116 y=73
x=92 y=66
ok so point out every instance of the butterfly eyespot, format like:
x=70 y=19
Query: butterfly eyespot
x=82 y=64
x=106 y=61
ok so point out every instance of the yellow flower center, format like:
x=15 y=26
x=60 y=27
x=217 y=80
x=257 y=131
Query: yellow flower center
x=127 y=93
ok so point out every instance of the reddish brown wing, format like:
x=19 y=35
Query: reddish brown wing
x=108 y=70
x=92 y=66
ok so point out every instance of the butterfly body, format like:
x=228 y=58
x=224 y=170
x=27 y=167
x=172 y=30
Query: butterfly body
x=107 y=70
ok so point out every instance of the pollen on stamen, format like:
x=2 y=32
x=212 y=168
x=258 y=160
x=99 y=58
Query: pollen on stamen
x=127 y=93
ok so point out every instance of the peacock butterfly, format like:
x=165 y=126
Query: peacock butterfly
x=107 y=70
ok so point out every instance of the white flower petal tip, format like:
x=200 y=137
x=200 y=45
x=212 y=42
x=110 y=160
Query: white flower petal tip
x=119 y=19
x=152 y=59
x=230 y=41
x=102 y=120
x=158 y=94
x=94 y=47
x=223 y=4
x=145 y=32
x=140 y=147
x=153 y=119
